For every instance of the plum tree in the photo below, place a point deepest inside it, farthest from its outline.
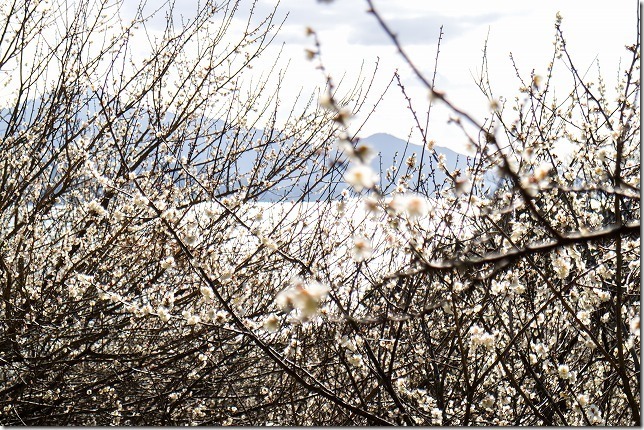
(167, 258)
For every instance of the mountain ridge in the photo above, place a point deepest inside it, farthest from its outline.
(393, 151)
(391, 161)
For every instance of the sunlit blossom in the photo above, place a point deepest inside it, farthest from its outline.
(207, 292)
(326, 101)
(361, 249)
(564, 371)
(271, 323)
(361, 176)
(635, 325)
(163, 314)
(167, 262)
(306, 297)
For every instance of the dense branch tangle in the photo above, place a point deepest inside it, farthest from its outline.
(148, 223)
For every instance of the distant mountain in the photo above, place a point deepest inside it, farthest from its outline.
(393, 151)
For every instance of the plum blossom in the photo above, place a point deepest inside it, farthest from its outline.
(163, 314)
(415, 205)
(355, 359)
(488, 401)
(478, 336)
(271, 323)
(562, 266)
(193, 319)
(594, 414)
(361, 153)
(306, 298)
(635, 325)
(564, 371)
(140, 200)
(499, 287)
(437, 416)
(207, 293)
(362, 249)
(462, 186)
(541, 172)
(361, 176)
(95, 207)
(371, 204)
(326, 101)
(167, 262)
(541, 349)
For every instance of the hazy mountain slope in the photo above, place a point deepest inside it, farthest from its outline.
(393, 151)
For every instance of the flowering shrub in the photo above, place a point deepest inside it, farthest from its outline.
(148, 278)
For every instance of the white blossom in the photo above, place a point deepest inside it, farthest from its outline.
(167, 262)
(271, 323)
(361, 176)
(207, 292)
(163, 314)
(564, 371)
(635, 325)
(306, 298)
(361, 249)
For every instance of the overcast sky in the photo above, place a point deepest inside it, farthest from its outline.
(596, 33)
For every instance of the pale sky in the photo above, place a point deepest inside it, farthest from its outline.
(595, 31)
